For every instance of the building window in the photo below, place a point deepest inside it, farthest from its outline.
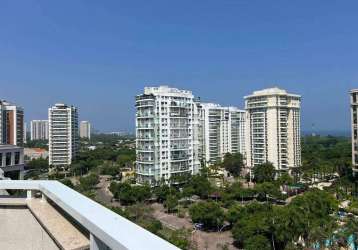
(17, 158)
(8, 159)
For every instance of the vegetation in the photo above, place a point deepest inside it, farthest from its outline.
(210, 214)
(129, 194)
(233, 163)
(281, 226)
(259, 216)
(264, 173)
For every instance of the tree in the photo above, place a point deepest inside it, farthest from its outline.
(264, 173)
(38, 164)
(153, 226)
(233, 163)
(179, 238)
(285, 179)
(68, 183)
(235, 213)
(107, 169)
(89, 182)
(266, 189)
(128, 194)
(257, 242)
(199, 185)
(253, 220)
(208, 213)
(171, 202)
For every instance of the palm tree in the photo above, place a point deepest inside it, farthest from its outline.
(351, 229)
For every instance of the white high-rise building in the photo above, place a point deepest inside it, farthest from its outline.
(166, 139)
(85, 129)
(63, 134)
(223, 131)
(273, 129)
(39, 129)
(354, 122)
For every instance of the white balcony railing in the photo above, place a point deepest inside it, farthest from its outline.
(107, 229)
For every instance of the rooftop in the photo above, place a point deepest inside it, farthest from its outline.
(271, 91)
(166, 90)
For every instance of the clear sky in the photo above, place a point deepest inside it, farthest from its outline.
(98, 55)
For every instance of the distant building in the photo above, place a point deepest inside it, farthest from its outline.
(85, 130)
(63, 134)
(12, 161)
(25, 132)
(39, 129)
(222, 131)
(35, 153)
(11, 124)
(166, 143)
(354, 122)
(273, 129)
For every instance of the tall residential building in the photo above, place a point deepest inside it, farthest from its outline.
(39, 129)
(63, 134)
(11, 124)
(354, 121)
(167, 146)
(223, 131)
(273, 129)
(85, 129)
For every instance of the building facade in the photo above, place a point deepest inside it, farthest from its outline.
(39, 130)
(85, 129)
(12, 161)
(273, 129)
(166, 139)
(63, 134)
(223, 131)
(11, 124)
(354, 126)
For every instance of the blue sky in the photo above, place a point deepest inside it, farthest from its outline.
(98, 55)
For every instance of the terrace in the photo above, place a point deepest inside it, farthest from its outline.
(62, 218)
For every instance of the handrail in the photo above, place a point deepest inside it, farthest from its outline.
(109, 228)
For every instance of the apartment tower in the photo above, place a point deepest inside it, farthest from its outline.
(63, 134)
(166, 123)
(354, 121)
(39, 130)
(85, 129)
(11, 124)
(273, 129)
(223, 131)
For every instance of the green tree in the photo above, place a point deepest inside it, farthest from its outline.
(179, 238)
(264, 173)
(233, 163)
(89, 182)
(266, 190)
(38, 164)
(171, 202)
(285, 179)
(208, 213)
(199, 185)
(68, 183)
(257, 242)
